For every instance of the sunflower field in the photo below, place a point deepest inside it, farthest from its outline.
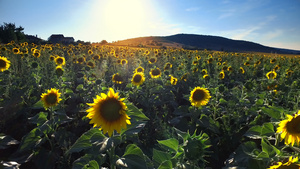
(100, 106)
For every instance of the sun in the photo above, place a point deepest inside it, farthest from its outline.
(125, 18)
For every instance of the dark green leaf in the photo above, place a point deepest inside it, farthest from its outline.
(39, 119)
(83, 142)
(133, 158)
(91, 165)
(30, 140)
(159, 157)
(171, 144)
(166, 165)
(267, 129)
(272, 112)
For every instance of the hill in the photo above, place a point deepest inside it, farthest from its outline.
(192, 41)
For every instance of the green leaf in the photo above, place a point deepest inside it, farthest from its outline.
(183, 135)
(159, 157)
(79, 87)
(133, 158)
(83, 142)
(267, 148)
(135, 113)
(38, 105)
(87, 158)
(91, 165)
(267, 129)
(166, 165)
(272, 112)
(263, 155)
(30, 140)
(68, 91)
(254, 132)
(171, 143)
(259, 102)
(39, 119)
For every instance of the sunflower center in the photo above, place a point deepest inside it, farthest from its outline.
(139, 70)
(198, 95)
(118, 78)
(294, 125)
(110, 109)
(59, 61)
(155, 72)
(137, 78)
(51, 98)
(2, 63)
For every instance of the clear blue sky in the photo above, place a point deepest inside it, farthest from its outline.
(273, 23)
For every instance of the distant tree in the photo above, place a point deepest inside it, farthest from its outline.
(9, 32)
(103, 42)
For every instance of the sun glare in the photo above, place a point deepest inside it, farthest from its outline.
(125, 19)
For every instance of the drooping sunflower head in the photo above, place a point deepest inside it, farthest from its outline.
(206, 77)
(168, 66)
(60, 61)
(204, 71)
(230, 69)
(117, 78)
(51, 98)
(80, 60)
(51, 58)
(221, 75)
(4, 63)
(138, 78)
(90, 52)
(108, 112)
(289, 129)
(199, 97)
(241, 70)
(271, 75)
(155, 73)
(90, 64)
(59, 71)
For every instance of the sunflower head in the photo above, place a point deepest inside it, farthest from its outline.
(173, 80)
(51, 98)
(108, 112)
(155, 73)
(242, 71)
(291, 163)
(152, 60)
(221, 75)
(271, 75)
(168, 66)
(289, 129)
(60, 61)
(90, 64)
(124, 61)
(4, 63)
(16, 50)
(199, 97)
(139, 70)
(59, 71)
(138, 79)
(117, 78)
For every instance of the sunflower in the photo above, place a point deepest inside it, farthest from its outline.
(139, 69)
(124, 61)
(272, 61)
(204, 72)
(271, 75)
(155, 73)
(221, 75)
(210, 60)
(290, 164)
(108, 112)
(117, 78)
(173, 80)
(168, 66)
(90, 64)
(289, 129)
(152, 60)
(96, 57)
(230, 69)
(51, 58)
(206, 76)
(80, 60)
(16, 50)
(138, 78)
(4, 63)
(51, 98)
(60, 61)
(199, 97)
(90, 52)
(36, 54)
(242, 70)
(184, 77)
(59, 70)
(195, 62)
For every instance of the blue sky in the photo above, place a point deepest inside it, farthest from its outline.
(273, 23)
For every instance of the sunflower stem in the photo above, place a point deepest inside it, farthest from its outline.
(112, 155)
